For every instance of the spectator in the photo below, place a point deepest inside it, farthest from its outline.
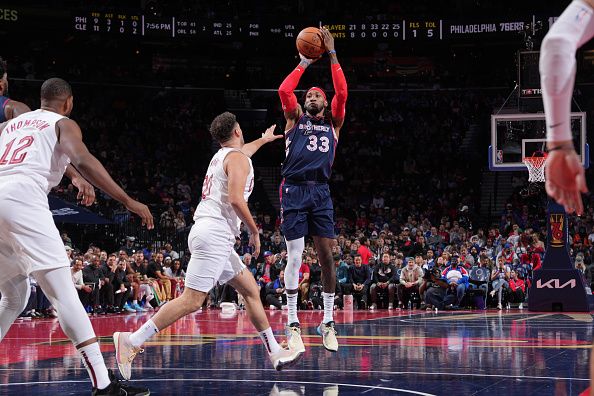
(364, 250)
(93, 277)
(122, 287)
(303, 286)
(499, 279)
(155, 271)
(456, 277)
(275, 293)
(384, 278)
(179, 222)
(315, 285)
(169, 252)
(66, 239)
(360, 278)
(517, 289)
(411, 279)
(129, 247)
(84, 291)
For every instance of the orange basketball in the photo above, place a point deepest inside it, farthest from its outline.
(310, 43)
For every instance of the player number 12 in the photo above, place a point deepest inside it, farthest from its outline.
(16, 157)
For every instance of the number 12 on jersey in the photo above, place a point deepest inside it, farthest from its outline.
(17, 155)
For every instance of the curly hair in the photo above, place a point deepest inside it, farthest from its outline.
(222, 126)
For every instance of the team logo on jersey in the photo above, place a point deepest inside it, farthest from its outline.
(309, 127)
(556, 221)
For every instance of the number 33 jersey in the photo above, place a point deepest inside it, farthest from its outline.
(215, 192)
(29, 146)
(309, 147)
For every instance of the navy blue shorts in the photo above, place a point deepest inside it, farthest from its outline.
(306, 209)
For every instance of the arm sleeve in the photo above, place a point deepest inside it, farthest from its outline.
(285, 91)
(341, 93)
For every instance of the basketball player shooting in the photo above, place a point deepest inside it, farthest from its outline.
(36, 149)
(306, 205)
(227, 186)
(565, 179)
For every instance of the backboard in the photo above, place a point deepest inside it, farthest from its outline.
(515, 136)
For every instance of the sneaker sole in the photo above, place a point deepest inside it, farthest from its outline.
(283, 365)
(116, 343)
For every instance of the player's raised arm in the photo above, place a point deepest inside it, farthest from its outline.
(70, 138)
(291, 108)
(268, 136)
(565, 179)
(338, 105)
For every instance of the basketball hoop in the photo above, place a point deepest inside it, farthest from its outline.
(536, 167)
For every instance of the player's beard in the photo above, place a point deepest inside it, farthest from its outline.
(313, 109)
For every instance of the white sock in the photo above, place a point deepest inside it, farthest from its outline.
(95, 365)
(292, 306)
(328, 307)
(145, 332)
(269, 341)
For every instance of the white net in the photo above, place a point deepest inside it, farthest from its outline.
(536, 168)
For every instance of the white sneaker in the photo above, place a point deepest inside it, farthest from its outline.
(284, 358)
(492, 293)
(499, 307)
(521, 306)
(373, 307)
(125, 353)
(293, 332)
(328, 333)
(390, 306)
(272, 308)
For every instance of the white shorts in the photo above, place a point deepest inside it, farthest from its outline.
(213, 257)
(29, 239)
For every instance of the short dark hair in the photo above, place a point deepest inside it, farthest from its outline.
(3, 67)
(222, 126)
(55, 88)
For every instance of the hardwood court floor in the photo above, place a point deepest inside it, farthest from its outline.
(383, 352)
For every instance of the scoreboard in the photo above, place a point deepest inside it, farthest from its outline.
(393, 30)
(185, 27)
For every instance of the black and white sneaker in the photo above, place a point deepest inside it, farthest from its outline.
(118, 388)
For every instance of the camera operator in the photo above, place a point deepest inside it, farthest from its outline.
(434, 289)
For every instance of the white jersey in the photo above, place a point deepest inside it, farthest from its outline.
(29, 147)
(215, 192)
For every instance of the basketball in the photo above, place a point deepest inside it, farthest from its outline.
(310, 43)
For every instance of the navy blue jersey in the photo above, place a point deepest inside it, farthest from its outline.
(3, 101)
(310, 147)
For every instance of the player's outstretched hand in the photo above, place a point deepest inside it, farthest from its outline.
(328, 39)
(565, 179)
(86, 191)
(143, 211)
(269, 135)
(255, 242)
